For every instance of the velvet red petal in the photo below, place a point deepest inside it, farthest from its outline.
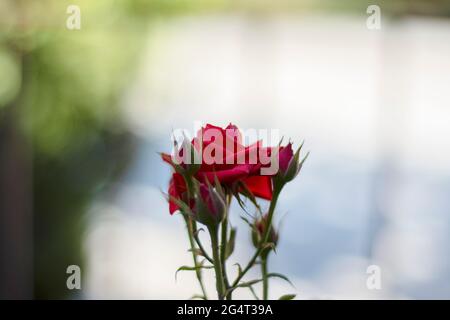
(173, 193)
(227, 176)
(176, 187)
(260, 186)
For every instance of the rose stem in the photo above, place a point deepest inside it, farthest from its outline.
(265, 238)
(265, 278)
(217, 263)
(198, 272)
(199, 243)
(224, 247)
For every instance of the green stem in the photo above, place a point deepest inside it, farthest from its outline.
(217, 263)
(265, 238)
(198, 272)
(223, 247)
(265, 278)
(199, 243)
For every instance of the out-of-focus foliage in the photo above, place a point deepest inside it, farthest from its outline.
(62, 89)
(71, 78)
(9, 77)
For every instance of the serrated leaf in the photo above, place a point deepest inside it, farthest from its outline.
(287, 297)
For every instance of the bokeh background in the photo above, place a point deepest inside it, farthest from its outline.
(84, 112)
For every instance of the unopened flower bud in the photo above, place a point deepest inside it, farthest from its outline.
(259, 231)
(289, 163)
(186, 159)
(209, 207)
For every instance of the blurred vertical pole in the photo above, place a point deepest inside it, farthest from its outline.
(16, 228)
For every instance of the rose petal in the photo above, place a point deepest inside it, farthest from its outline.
(285, 156)
(227, 176)
(177, 187)
(260, 186)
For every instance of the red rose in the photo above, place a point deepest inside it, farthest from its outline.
(224, 157)
(286, 154)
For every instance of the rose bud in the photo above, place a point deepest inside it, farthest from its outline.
(289, 164)
(285, 155)
(258, 231)
(209, 207)
(185, 160)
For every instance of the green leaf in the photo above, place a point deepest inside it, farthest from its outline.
(243, 285)
(248, 283)
(253, 282)
(188, 268)
(230, 244)
(239, 269)
(287, 297)
(281, 276)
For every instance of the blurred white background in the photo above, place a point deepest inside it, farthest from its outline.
(374, 110)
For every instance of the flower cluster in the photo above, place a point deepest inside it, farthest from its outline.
(211, 170)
